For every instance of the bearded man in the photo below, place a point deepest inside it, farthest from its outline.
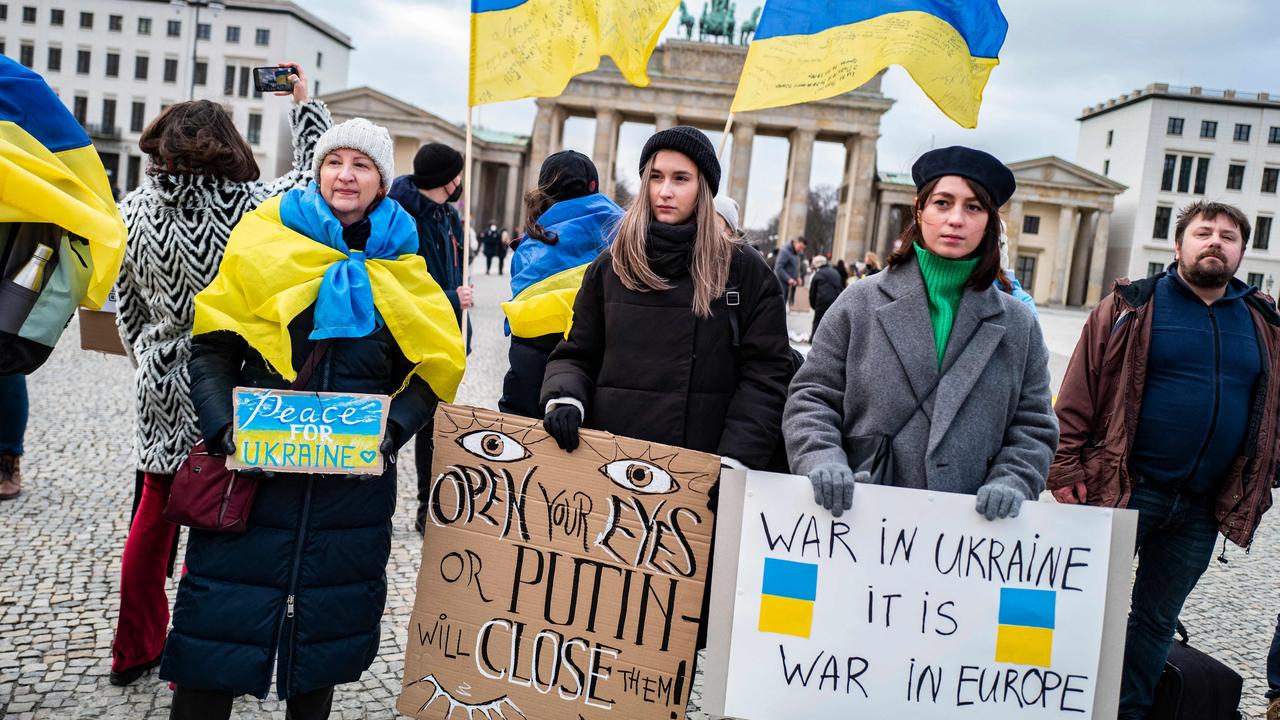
(1168, 407)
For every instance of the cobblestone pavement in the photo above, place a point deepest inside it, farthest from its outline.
(61, 542)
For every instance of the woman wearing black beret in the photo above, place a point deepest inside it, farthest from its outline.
(931, 354)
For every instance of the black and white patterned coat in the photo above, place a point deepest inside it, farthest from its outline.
(178, 228)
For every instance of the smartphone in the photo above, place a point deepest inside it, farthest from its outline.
(273, 79)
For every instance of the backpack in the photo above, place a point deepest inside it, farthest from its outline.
(32, 320)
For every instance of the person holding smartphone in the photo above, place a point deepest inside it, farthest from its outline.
(201, 178)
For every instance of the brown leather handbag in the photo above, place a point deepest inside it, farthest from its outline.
(206, 495)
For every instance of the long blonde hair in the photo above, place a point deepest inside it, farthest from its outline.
(712, 249)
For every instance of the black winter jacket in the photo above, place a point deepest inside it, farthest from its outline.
(644, 366)
(824, 288)
(439, 237)
(304, 587)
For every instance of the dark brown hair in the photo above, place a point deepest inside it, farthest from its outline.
(1210, 210)
(988, 270)
(536, 202)
(198, 138)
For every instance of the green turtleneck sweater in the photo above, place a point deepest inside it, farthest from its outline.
(944, 281)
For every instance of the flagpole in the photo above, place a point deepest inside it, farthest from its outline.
(466, 217)
(724, 136)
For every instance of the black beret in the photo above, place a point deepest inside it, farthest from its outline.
(435, 165)
(568, 174)
(692, 143)
(980, 167)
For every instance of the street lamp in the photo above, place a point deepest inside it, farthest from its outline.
(216, 7)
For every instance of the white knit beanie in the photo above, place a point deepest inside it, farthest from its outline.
(727, 207)
(358, 134)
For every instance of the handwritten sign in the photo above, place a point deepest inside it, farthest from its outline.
(308, 432)
(556, 585)
(911, 606)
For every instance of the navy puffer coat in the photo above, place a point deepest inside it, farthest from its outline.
(304, 588)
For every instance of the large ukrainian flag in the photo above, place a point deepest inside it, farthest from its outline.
(532, 48)
(50, 173)
(806, 50)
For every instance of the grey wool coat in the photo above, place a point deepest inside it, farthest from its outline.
(990, 420)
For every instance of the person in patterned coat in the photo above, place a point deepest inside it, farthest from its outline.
(202, 178)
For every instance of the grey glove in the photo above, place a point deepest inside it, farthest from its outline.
(998, 501)
(833, 486)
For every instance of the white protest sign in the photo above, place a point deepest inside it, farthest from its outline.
(912, 605)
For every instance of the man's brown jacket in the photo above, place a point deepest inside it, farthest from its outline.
(1100, 401)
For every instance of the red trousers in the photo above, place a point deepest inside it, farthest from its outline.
(144, 606)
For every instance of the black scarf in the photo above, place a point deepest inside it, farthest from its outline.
(669, 247)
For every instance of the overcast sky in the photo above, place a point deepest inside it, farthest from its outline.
(1059, 56)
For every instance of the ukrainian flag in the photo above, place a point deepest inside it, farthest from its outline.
(1024, 635)
(787, 597)
(50, 173)
(807, 50)
(532, 48)
(545, 278)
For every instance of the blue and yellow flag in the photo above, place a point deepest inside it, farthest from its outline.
(271, 273)
(532, 48)
(807, 50)
(545, 278)
(50, 173)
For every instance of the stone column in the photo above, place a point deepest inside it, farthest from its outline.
(744, 135)
(860, 177)
(540, 145)
(605, 151)
(1061, 275)
(881, 240)
(662, 121)
(514, 202)
(1017, 211)
(1098, 264)
(795, 206)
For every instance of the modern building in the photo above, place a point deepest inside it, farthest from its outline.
(1173, 145)
(117, 63)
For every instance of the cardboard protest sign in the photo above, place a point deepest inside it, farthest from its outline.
(308, 432)
(556, 585)
(912, 605)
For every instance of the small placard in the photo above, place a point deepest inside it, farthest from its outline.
(308, 432)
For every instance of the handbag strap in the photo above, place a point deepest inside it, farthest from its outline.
(937, 381)
(309, 367)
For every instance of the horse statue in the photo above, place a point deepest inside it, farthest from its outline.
(749, 27)
(717, 21)
(687, 21)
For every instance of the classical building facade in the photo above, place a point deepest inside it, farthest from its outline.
(1058, 224)
(498, 159)
(1173, 145)
(693, 84)
(117, 63)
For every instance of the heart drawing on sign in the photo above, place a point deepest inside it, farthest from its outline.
(368, 455)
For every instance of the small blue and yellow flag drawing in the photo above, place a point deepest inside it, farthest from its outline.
(50, 173)
(787, 597)
(1025, 632)
(807, 50)
(532, 48)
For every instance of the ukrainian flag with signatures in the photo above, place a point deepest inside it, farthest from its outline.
(807, 50)
(545, 277)
(532, 48)
(50, 173)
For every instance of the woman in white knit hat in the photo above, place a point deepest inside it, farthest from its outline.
(322, 288)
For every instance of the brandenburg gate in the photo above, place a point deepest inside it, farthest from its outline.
(693, 84)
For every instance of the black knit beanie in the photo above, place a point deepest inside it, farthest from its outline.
(435, 165)
(691, 142)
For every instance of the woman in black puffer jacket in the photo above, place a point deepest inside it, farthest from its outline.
(654, 353)
(301, 592)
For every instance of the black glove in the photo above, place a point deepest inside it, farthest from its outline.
(562, 423)
(225, 444)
